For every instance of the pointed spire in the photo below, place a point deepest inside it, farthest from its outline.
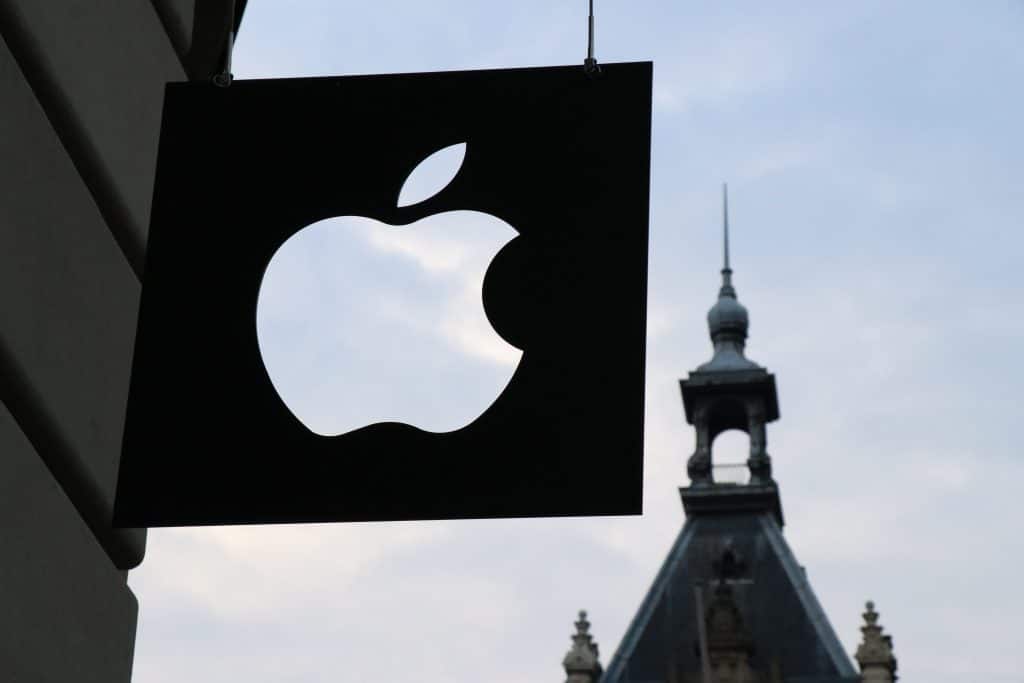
(727, 319)
(727, 288)
(874, 655)
(581, 662)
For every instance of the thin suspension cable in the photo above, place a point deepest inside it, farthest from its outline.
(590, 63)
(590, 33)
(224, 78)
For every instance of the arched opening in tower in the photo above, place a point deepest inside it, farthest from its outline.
(729, 453)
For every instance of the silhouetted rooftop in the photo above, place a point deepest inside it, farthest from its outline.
(786, 623)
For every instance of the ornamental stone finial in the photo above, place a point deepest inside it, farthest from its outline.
(875, 655)
(581, 662)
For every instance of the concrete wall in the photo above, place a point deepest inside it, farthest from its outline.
(81, 83)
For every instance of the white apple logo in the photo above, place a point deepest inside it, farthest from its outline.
(360, 322)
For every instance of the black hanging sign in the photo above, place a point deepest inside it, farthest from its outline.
(560, 155)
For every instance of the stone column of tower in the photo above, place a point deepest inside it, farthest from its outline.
(875, 655)
(581, 662)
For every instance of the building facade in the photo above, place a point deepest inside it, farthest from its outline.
(731, 603)
(82, 90)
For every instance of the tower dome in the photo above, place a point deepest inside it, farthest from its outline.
(728, 316)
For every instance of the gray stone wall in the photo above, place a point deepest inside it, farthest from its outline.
(67, 613)
(82, 84)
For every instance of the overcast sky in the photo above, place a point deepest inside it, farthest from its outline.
(875, 157)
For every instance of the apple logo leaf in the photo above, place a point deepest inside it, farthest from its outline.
(432, 175)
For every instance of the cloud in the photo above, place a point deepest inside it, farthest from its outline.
(263, 572)
(361, 322)
(722, 70)
(474, 335)
(438, 254)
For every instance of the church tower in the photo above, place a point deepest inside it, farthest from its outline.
(731, 604)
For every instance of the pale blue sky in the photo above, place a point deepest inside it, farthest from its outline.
(875, 157)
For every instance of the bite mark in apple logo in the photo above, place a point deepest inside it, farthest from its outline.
(361, 322)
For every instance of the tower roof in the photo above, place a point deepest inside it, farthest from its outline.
(782, 620)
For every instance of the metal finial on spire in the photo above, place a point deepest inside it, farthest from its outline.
(725, 222)
(727, 288)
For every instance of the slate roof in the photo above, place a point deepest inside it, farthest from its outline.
(784, 618)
